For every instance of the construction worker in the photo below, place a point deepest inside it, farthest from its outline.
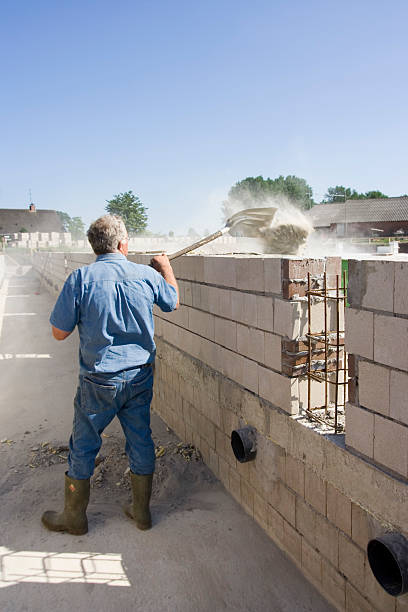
(111, 302)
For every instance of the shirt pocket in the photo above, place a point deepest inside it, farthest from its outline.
(97, 396)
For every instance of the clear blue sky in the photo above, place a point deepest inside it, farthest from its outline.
(178, 100)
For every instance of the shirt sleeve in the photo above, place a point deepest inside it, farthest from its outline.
(65, 314)
(165, 296)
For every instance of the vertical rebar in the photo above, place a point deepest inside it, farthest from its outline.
(309, 337)
(326, 347)
(344, 341)
(336, 395)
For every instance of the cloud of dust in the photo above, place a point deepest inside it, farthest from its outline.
(288, 230)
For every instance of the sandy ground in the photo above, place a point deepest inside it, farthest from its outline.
(203, 553)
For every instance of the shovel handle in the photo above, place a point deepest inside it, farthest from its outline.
(198, 244)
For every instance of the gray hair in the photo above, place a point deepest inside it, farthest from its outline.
(105, 233)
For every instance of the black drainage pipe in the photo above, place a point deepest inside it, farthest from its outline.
(388, 558)
(243, 443)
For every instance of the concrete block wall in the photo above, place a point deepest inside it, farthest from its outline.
(377, 337)
(234, 317)
(54, 268)
(317, 500)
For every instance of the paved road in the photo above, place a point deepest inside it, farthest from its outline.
(204, 555)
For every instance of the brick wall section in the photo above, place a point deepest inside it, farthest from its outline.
(319, 502)
(377, 337)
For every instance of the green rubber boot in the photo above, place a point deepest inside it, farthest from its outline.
(141, 490)
(73, 518)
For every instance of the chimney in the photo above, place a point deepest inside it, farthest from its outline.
(32, 207)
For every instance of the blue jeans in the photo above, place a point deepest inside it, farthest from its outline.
(101, 397)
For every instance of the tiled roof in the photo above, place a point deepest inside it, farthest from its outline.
(359, 211)
(13, 219)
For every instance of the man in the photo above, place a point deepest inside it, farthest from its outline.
(111, 302)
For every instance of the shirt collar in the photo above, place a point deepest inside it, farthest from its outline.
(110, 257)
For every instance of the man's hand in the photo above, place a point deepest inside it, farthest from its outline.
(162, 264)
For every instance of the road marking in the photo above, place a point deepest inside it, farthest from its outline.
(19, 295)
(19, 314)
(3, 295)
(25, 356)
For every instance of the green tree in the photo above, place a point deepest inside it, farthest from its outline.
(77, 228)
(131, 209)
(340, 194)
(65, 220)
(257, 191)
(74, 225)
(374, 195)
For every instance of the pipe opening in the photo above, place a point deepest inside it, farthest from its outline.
(243, 443)
(388, 558)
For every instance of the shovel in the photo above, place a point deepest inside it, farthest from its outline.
(249, 221)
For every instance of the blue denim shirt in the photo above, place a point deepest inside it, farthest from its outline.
(111, 301)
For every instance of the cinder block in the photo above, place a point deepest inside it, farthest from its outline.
(374, 387)
(295, 475)
(390, 341)
(261, 511)
(244, 308)
(338, 509)
(273, 274)
(391, 445)
(223, 471)
(220, 271)
(292, 541)
(327, 540)
(317, 395)
(287, 318)
(355, 601)
(250, 274)
(253, 412)
(375, 286)
(223, 302)
(401, 288)
(398, 396)
(280, 390)
(273, 351)
(311, 561)
(207, 431)
(362, 526)
(199, 296)
(232, 365)
(247, 497)
(250, 342)
(278, 426)
(235, 485)
(264, 305)
(351, 562)
(187, 293)
(225, 333)
(334, 585)
(213, 299)
(201, 323)
(360, 430)
(213, 462)
(284, 501)
(269, 465)
(359, 336)
(315, 491)
(275, 524)
(250, 376)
